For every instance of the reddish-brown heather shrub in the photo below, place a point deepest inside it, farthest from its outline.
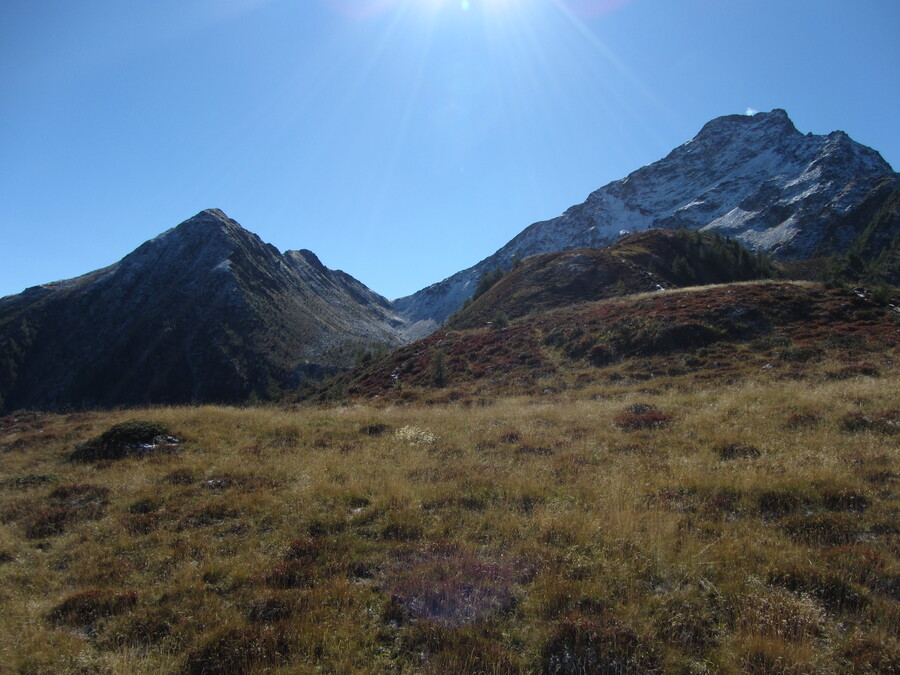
(144, 628)
(865, 653)
(882, 477)
(737, 451)
(87, 607)
(828, 588)
(845, 500)
(650, 421)
(687, 623)
(67, 504)
(239, 650)
(80, 495)
(209, 514)
(533, 450)
(725, 501)
(132, 438)
(272, 609)
(777, 503)
(453, 588)
(823, 529)
(291, 574)
(181, 477)
(802, 421)
(602, 645)
(48, 522)
(601, 355)
(376, 429)
(143, 523)
(855, 370)
(885, 422)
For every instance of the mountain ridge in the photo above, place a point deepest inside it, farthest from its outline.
(208, 312)
(204, 312)
(754, 178)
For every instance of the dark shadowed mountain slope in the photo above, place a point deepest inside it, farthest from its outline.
(204, 312)
(870, 234)
(753, 178)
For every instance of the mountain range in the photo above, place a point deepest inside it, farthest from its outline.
(207, 312)
(752, 178)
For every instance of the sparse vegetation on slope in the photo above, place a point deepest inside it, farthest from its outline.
(647, 261)
(772, 329)
(670, 524)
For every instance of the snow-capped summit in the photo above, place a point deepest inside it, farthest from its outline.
(754, 178)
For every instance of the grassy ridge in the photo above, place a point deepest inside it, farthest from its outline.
(626, 525)
(697, 334)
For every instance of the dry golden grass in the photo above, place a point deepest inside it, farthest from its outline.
(534, 534)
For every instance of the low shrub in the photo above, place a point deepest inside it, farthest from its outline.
(823, 529)
(866, 653)
(885, 422)
(291, 574)
(207, 515)
(777, 503)
(239, 650)
(272, 609)
(651, 421)
(453, 588)
(802, 421)
(135, 437)
(687, 623)
(145, 628)
(374, 429)
(87, 607)
(67, 504)
(180, 477)
(828, 588)
(25, 481)
(737, 451)
(777, 613)
(602, 645)
(845, 500)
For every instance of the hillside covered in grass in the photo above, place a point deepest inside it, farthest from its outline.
(703, 479)
(772, 329)
(626, 522)
(645, 262)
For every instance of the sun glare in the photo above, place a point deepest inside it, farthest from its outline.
(366, 8)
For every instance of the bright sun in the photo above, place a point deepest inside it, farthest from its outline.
(466, 5)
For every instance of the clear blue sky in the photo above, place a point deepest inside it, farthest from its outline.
(400, 140)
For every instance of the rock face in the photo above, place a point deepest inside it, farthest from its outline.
(752, 178)
(205, 312)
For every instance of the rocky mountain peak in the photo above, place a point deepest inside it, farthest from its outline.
(206, 311)
(754, 178)
(761, 123)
